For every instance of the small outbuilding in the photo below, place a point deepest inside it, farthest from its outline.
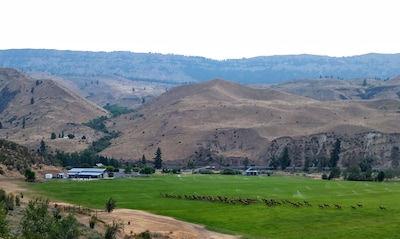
(86, 173)
(48, 176)
(62, 175)
(251, 171)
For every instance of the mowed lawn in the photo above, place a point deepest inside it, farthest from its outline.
(256, 220)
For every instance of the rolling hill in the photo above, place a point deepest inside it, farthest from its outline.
(130, 79)
(220, 122)
(217, 122)
(31, 110)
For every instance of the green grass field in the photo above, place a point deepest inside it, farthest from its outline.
(255, 220)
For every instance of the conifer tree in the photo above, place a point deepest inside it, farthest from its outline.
(157, 159)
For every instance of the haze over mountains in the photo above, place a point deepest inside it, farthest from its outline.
(183, 69)
(217, 122)
(129, 79)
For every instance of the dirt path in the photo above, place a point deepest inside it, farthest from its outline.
(139, 221)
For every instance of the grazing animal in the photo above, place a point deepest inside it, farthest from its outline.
(382, 207)
(359, 205)
(353, 207)
(320, 206)
(338, 206)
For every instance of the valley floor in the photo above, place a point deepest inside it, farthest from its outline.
(140, 221)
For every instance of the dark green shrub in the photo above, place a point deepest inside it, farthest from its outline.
(230, 171)
(147, 170)
(205, 171)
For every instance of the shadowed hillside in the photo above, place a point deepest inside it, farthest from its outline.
(220, 122)
(31, 110)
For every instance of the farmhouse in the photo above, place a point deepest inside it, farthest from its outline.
(86, 173)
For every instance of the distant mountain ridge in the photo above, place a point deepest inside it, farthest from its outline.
(178, 69)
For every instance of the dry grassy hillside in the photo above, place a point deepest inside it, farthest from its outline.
(15, 159)
(30, 110)
(234, 121)
(109, 90)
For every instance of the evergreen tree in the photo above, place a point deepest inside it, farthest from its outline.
(306, 164)
(335, 154)
(53, 135)
(1, 125)
(285, 160)
(274, 163)
(32, 101)
(144, 161)
(42, 146)
(157, 159)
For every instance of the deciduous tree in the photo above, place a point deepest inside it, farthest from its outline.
(38, 223)
(112, 230)
(335, 173)
(4, 228)
(29, 175)
(381, 176)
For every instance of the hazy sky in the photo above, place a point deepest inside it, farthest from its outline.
(216, 29)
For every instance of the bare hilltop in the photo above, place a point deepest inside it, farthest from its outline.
(221, 122)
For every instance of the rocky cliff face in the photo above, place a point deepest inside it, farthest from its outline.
(381, 148)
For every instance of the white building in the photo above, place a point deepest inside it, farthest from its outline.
(86, 173)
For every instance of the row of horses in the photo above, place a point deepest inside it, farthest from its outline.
(267, 202)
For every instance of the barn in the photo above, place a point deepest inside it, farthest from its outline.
(86, 173)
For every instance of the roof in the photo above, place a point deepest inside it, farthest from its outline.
(87, 171)
(251, 170)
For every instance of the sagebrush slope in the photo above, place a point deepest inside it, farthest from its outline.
(219, 118)
(32, 109)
